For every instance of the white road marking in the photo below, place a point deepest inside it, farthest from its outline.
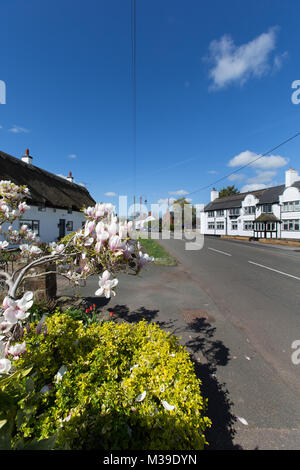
(275, 270)
(218, 251)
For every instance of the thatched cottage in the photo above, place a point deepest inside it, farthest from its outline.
(55, 202)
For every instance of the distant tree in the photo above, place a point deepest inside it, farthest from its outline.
(229, 191)
(179, 205)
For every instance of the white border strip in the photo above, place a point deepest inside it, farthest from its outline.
(275, 270)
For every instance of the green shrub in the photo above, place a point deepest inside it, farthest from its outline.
(85, 315)
(119, 385)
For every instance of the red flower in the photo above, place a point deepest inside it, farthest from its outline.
(87, 310)
(111, 314)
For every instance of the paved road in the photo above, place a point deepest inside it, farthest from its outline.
(256, 292)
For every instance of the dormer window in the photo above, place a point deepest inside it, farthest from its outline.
(266, 208)
(249, 210)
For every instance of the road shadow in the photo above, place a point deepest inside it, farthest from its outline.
(122, 312)
(220, 436)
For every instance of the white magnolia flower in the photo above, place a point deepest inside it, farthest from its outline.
(57, 249)
(167, 406)
(144, 258)
(5, 366)
(141, 397)
(35, 250)
(61, 372)
(106, 285)
(3, 245)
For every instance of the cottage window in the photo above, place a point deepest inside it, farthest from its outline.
(33, 225)
(211, 226)
(266, 208)
(220, 225)
(291, 206)
(291, 225)
(220, 213)
(248, 225)
(249, 210)
(69, 226)
(234, 211)
(234, 226)
(42, 207)
(210, 214)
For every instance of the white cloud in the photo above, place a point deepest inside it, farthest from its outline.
(110, 194)
(72, 155)
(262, 177)
(252, 187)
(169, 200)
(231, 63)
(236, 177)
(279, 59)
(180, 192)
(18, 129)
(265, 163)
(212, 172)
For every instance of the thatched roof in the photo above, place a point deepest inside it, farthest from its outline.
(267, 218)
(45, 187)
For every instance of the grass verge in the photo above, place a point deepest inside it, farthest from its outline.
(160, 255)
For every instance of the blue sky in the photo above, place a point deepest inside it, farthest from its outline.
(213, 91)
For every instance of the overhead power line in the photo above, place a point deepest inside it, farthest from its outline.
(133, 56)
(244, 166)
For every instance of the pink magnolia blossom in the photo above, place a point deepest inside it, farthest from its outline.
(115, 243)
(89, 227)
(17, 350)
(17, 309)
(23, 207)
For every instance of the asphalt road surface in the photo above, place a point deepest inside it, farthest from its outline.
(255, 290)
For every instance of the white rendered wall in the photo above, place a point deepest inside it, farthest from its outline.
(49, 220)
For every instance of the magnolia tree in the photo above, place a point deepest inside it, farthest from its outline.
(103, 246)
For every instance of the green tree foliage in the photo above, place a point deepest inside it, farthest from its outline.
(229, 191)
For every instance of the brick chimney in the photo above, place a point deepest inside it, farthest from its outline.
(27, 158)
(70, 177)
